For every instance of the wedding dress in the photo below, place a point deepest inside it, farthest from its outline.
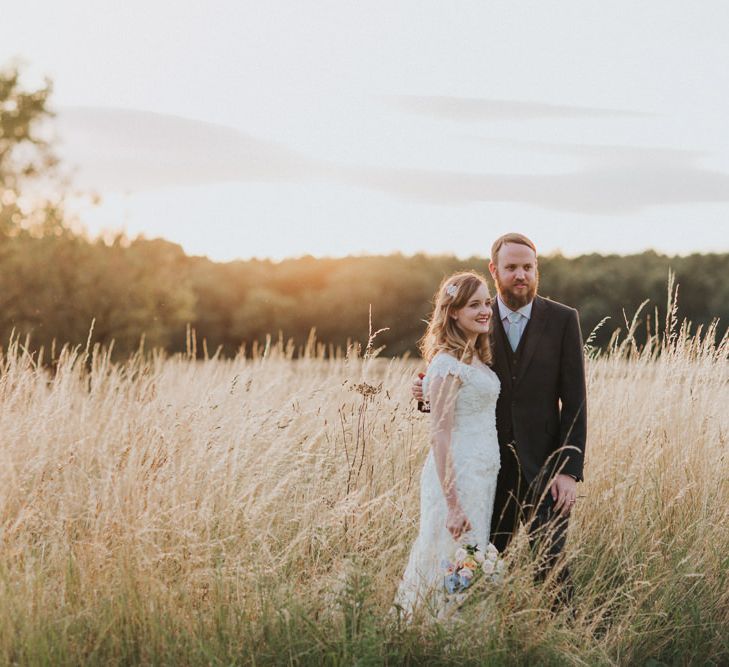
(475, 456)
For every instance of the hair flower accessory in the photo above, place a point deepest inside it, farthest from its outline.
(451, 290)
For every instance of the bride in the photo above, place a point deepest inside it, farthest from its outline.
(458, 481)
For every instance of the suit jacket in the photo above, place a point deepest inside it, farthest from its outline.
(541, 408)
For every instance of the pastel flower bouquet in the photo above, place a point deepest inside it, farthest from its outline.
(471, 568)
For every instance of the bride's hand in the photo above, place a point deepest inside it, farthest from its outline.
(457, 522)
(417, 388)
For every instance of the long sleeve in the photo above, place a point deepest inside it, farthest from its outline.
(440, 386)
(442, 414)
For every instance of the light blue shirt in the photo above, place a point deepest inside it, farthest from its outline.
(504, 311)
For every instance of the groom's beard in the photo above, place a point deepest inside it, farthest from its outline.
(516, 299)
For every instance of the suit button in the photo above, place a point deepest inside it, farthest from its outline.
(513, 377)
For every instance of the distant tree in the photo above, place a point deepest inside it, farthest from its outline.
(25, 155)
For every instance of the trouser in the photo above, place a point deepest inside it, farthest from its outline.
(519, 502)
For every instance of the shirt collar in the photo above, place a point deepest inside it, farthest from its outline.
(504, 310)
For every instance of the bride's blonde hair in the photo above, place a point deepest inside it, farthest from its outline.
(443, 333)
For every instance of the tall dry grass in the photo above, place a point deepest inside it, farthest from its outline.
(171, 511)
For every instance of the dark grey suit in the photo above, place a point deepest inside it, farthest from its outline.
(540, 418)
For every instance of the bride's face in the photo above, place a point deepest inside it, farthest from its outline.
(475, 317)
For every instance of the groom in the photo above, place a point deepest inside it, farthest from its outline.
(541, 413)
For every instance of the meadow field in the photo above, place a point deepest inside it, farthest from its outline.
(260, 510)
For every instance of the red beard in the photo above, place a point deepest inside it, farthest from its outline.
(516, 300)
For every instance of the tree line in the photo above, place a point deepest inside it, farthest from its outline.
(52, 287)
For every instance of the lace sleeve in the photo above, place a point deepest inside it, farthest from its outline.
(441, 365)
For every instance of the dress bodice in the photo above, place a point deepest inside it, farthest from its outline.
(475, 407)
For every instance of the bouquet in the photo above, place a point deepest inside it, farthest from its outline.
(470, 566)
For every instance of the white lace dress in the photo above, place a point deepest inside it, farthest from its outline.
(475, 455)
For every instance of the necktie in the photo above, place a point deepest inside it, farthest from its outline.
(513, 335)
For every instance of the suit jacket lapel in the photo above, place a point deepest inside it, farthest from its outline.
(501, 347)
(536, 325)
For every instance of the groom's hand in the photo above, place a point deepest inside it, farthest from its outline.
(564, 493)
(417, 387)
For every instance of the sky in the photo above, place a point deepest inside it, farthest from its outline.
(273, 129)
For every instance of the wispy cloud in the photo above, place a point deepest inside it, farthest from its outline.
(612, 179)
(603, 153)
(123, 149)
(479, 108)
(135, 150)
(600, 189)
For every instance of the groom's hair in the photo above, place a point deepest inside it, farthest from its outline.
(511, 237)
